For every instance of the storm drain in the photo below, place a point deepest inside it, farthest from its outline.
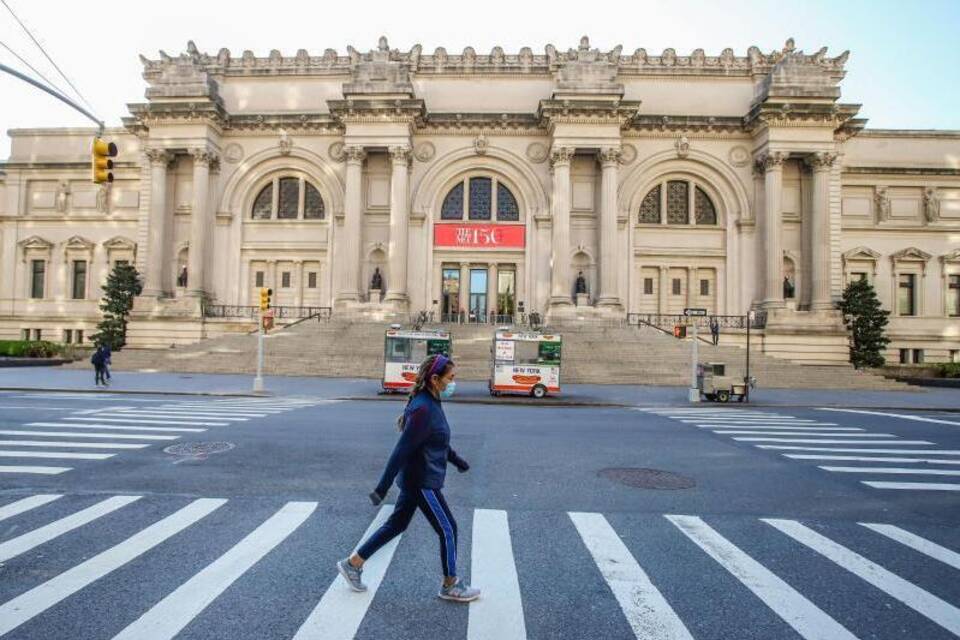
(198, 449)
(647, 478)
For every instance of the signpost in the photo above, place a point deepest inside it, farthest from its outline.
(694, 312)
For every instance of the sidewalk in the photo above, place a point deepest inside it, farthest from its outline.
(55, 379)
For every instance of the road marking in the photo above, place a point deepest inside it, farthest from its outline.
(195, 423)
(23, 543)
(939, 452)
(925, 603)
(37, 600)
(916, 543)
(649, 614)
(340, 610)
(903, 416)
(26, 504)
(803, 456)
(813, 440)
(204, 413)
(70, 425)
(46, 471)
(35, 407)
(767, 427)
(76, 445)
(807, 433)
(168, 617)
(85, 435)
(165, 415)
(498, 614)
(913, 486)
(753, 420)
(894, 470)
(802, 615)
(58, 454)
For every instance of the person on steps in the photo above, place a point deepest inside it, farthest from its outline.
(419, 464)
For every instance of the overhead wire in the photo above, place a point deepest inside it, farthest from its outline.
(39, 46)
(30, 66)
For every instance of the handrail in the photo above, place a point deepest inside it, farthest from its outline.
(662, 320)
(252, 312)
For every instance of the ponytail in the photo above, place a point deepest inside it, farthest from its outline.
(437, 364)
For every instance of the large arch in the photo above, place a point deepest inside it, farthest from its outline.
(723, 185)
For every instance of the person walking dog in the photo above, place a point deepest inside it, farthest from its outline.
(419, 464)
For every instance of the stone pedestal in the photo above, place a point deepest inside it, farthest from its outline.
(374, 295)
(583, 299)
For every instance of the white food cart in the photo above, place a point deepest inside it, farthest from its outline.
(404, 350)
(525, 363)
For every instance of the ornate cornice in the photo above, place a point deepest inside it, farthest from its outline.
(902, 171)
(588, 111)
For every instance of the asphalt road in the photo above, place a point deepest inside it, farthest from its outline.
(795, 523)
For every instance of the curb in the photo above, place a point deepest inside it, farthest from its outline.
(237, 394)
(503, 400)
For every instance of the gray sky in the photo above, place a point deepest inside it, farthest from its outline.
(904, 66)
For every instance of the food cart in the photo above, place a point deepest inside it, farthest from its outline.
(405, 349)
(716, 386)
(525, 363)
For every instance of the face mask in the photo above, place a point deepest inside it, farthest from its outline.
(448, 391)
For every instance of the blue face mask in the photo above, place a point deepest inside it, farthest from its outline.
(448, 391)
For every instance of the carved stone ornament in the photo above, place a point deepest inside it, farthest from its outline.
(882, 202)
(481, 144)
(773, 160)
(63, 191)
(561, 155)
(233, 153)
(336, 151)
(354, 153)
(424, 151)
(628, 153)
(739, 156)
(203, 156)
(610, 155)
(158, 156)
(400, 155)
(682, 145)
(931, 204)
(821, 161)
(537, 152)
(285, 143)
(103, 198)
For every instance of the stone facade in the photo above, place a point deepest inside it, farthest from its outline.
(485, 182)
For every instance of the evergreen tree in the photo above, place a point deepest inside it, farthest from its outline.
(123, 285)
(866, 321)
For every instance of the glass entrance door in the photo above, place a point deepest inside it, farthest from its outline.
(450, 305)
(478, 295)
(506, 295)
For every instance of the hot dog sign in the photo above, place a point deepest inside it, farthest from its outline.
(525, 363)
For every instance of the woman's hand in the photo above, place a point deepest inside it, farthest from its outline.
(463, 466)
(376, 497)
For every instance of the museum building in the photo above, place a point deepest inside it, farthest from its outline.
(587, 185)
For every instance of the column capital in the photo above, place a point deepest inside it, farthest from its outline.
(610, 156)
(772, 160)
(354, 153)
(821, 160)
(158, 156)
(561, 156)
(203, 156)
(400, 155)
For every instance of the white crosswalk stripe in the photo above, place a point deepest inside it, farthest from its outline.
(499, 614)
(802, 456)
(72, 445)
(924, 602)
(36, 470)
(65, 455)
(113, 427)
(646, 610)
(806, 618)
(913, 486)
(894, 470)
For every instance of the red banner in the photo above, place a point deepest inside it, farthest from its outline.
(479, 236)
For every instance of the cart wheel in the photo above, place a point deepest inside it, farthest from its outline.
(538, 391)
(723, 396)
(741, 398)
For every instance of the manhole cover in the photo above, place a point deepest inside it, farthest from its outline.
(647, 478)
(198, 449)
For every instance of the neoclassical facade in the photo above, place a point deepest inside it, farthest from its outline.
(388, 181)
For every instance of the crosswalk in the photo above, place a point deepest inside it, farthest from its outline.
(97, 434)
(834, 448)
(656, 598)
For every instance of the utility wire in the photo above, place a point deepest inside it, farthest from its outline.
(30, 66)
(39, 46)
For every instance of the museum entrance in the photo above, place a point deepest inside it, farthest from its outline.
(478, 293)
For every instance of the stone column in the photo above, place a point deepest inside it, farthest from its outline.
(352, 226)
(199, 222)
(561, 286)
(610, 163)
(298, 292)
(399, 218)
(492, 303)
(465, 287)
(272, 280)
(821, 164)
(691, 287)
(773, 229)
(157, 228)
(663, 290)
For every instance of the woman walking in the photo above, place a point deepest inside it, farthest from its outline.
(419, 463)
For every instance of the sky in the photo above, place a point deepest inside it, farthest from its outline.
(904, 66)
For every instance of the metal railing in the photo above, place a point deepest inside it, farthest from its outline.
(668, 321)
(512, 319)
(252, 312)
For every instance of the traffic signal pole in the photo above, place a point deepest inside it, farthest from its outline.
(56, 94)
(258, 381)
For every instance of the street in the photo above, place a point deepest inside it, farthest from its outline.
(777, 522)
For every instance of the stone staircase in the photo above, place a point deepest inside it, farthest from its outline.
(591, 355)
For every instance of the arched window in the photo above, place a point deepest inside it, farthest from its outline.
(296, 199)
(485, 197)
(674, 197)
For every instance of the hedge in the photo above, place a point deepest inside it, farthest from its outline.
(29, 349)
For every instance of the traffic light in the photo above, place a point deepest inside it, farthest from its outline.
(265, 294)
(100, 161)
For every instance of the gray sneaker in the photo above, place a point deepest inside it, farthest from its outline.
(459, 591)
(351, 574)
